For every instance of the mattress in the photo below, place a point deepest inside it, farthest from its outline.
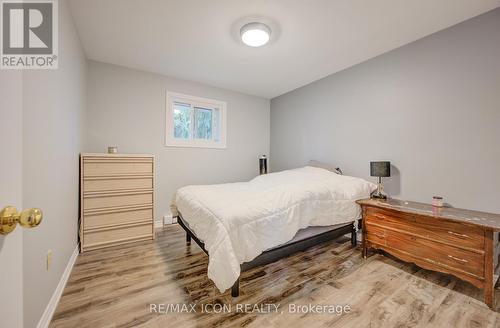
(238, 221)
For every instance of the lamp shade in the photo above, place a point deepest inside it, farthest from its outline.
(380, 169)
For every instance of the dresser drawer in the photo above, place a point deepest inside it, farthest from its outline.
(121, 234)
(437, 229)
(95, 202)
(93, 221)
(436, 253)
(100, 184)
(96, 167)
(376, 234)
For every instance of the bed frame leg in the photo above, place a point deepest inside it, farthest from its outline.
(354, 238)
(188, 239)
(235, 290)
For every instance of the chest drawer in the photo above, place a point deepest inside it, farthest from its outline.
(121, 234)
(432, 252)
(436, 229)
(98, 220)
(111, 167)
(376, 234)
(117, 200)
(100, 184)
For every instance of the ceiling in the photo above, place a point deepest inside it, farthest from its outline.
(198, 39)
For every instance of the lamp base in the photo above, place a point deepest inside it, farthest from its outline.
(378, 195)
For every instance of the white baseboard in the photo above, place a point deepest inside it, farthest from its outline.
(167, 219)
(56, 296)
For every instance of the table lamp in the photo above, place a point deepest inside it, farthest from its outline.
(381, 170)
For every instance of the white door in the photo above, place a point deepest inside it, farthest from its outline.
(11, 156)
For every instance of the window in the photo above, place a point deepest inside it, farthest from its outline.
(195, 122)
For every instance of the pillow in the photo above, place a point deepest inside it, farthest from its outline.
(325, 166)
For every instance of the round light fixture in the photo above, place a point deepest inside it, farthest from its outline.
(255, 34)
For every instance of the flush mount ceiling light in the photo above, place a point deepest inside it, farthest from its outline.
(255, 34)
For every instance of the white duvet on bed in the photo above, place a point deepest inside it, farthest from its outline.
(238, 221)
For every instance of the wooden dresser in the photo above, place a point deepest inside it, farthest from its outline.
(463, 243)
(116, 199)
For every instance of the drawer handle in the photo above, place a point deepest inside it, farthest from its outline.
(457, 259)
(458, 234)
(379, 216)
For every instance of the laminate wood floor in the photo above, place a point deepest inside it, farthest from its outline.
(115, 287)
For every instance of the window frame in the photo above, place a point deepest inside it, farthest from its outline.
(194, 101)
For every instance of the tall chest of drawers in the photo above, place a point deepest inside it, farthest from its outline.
(116, 199)
(463, 243)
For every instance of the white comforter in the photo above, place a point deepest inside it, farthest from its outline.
(238, 221)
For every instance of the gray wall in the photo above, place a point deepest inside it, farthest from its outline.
(126, 108)
(431, 107)
(53, 114)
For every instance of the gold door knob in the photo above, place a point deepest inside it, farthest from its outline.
(9, 218)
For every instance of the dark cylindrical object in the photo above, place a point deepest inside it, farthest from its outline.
(263, 164)
(380, 169)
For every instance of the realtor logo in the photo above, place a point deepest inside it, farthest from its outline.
(29, 34)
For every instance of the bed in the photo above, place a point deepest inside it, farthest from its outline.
(246, 224)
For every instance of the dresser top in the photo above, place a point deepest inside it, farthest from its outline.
(114, 155)
(483, 219)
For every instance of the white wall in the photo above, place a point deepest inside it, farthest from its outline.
(126, 108)
(53, 115)
(431, 107)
